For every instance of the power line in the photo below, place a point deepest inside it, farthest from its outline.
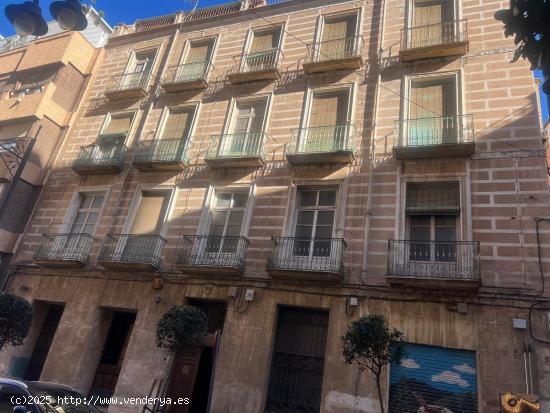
(360, 73)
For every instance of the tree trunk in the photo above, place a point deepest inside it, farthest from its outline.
(379, 388)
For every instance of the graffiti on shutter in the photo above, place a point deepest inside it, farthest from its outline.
(434, 379)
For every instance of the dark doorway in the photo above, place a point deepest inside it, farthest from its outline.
(192, 372)
(296, 376)
(110, 364)
(44, 342)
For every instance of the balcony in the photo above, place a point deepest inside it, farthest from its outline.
(238, 150)
(434, 40)
(160, 155)
(438, 137)
(251, 67)
(307, 259)
(189, 76)
(332, 55)
(64, 250)
(213, 255)
(100, 159)
(434, 264)
(322, 144)
(129, 252)
(128, 86)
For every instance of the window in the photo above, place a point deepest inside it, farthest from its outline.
(137, 72)
(32, 83)
(264, 50)
(87, 214)
(433, 112)
(227, 219)
(432, 211)
(315, 222)
(428, 18)
(151, 213)
(246, 128)
(116, 127)
(328, 123)
(196, 61)
(296, 376)
(338, 39)
(177, 123)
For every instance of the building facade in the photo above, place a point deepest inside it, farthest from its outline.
(42, 80)
(289, 166)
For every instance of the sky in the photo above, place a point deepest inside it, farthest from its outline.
(127, 11)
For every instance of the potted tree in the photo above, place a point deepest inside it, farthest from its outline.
(371, 345)
(15, 319)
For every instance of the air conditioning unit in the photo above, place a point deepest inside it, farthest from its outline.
(519, 403)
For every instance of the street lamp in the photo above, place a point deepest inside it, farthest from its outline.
(27, 18)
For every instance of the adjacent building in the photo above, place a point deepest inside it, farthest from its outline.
(289, 166)
(42, 81)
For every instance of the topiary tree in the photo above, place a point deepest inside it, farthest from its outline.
(15, 319)
(371, 345)
(529, 22)
(181, 326)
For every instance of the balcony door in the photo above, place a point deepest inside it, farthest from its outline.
(432, 113)
(196, 61)
(263, 52)
(113, 135)
(428, 23)
(175, 134)
(246, 129)
(148, 220)
(139, 69)
(432, 212)
(328, 127)
(226, 225)
(338, 40)
(315, 220)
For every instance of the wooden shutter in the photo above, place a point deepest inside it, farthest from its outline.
(118, 124)
(329, 109)
(150, 214)
(339, 28)
(428, 13)
(440, 198)
(199, 53)
(177, 124)
(264, 41)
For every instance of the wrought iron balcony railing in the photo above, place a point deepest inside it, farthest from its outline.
(59, 248)
(446, 130)
(337, 49)
(237, 145)
(434, 34)
(160, 151)
(307, 254)
(457, 260)
(132, 249)
(100, 155)
(257, 61)
(213, 251)
(128, 81)
(188, 72)
(322, 139)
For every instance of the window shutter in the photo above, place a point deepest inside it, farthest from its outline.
(264, 41)
(433, 199)
(177, 124)
(329, 109)
(118, 124)
(150, 214)
(339, 28)
(199, 53)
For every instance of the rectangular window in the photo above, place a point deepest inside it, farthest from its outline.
(263, 51)
(432, 211)
(296, 377)
(196, 61)
(87, 214)
(227, 219)
(338, 38)
(246, 128)
(428, 20)
(143, 62)
(177, 124)
(33, 83)
(315, 219)
(433, 112)
(116, 127)
(151, 213)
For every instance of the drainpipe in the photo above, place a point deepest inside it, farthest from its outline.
(372, 163)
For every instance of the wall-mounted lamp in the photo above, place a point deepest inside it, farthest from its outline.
(27, 18)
